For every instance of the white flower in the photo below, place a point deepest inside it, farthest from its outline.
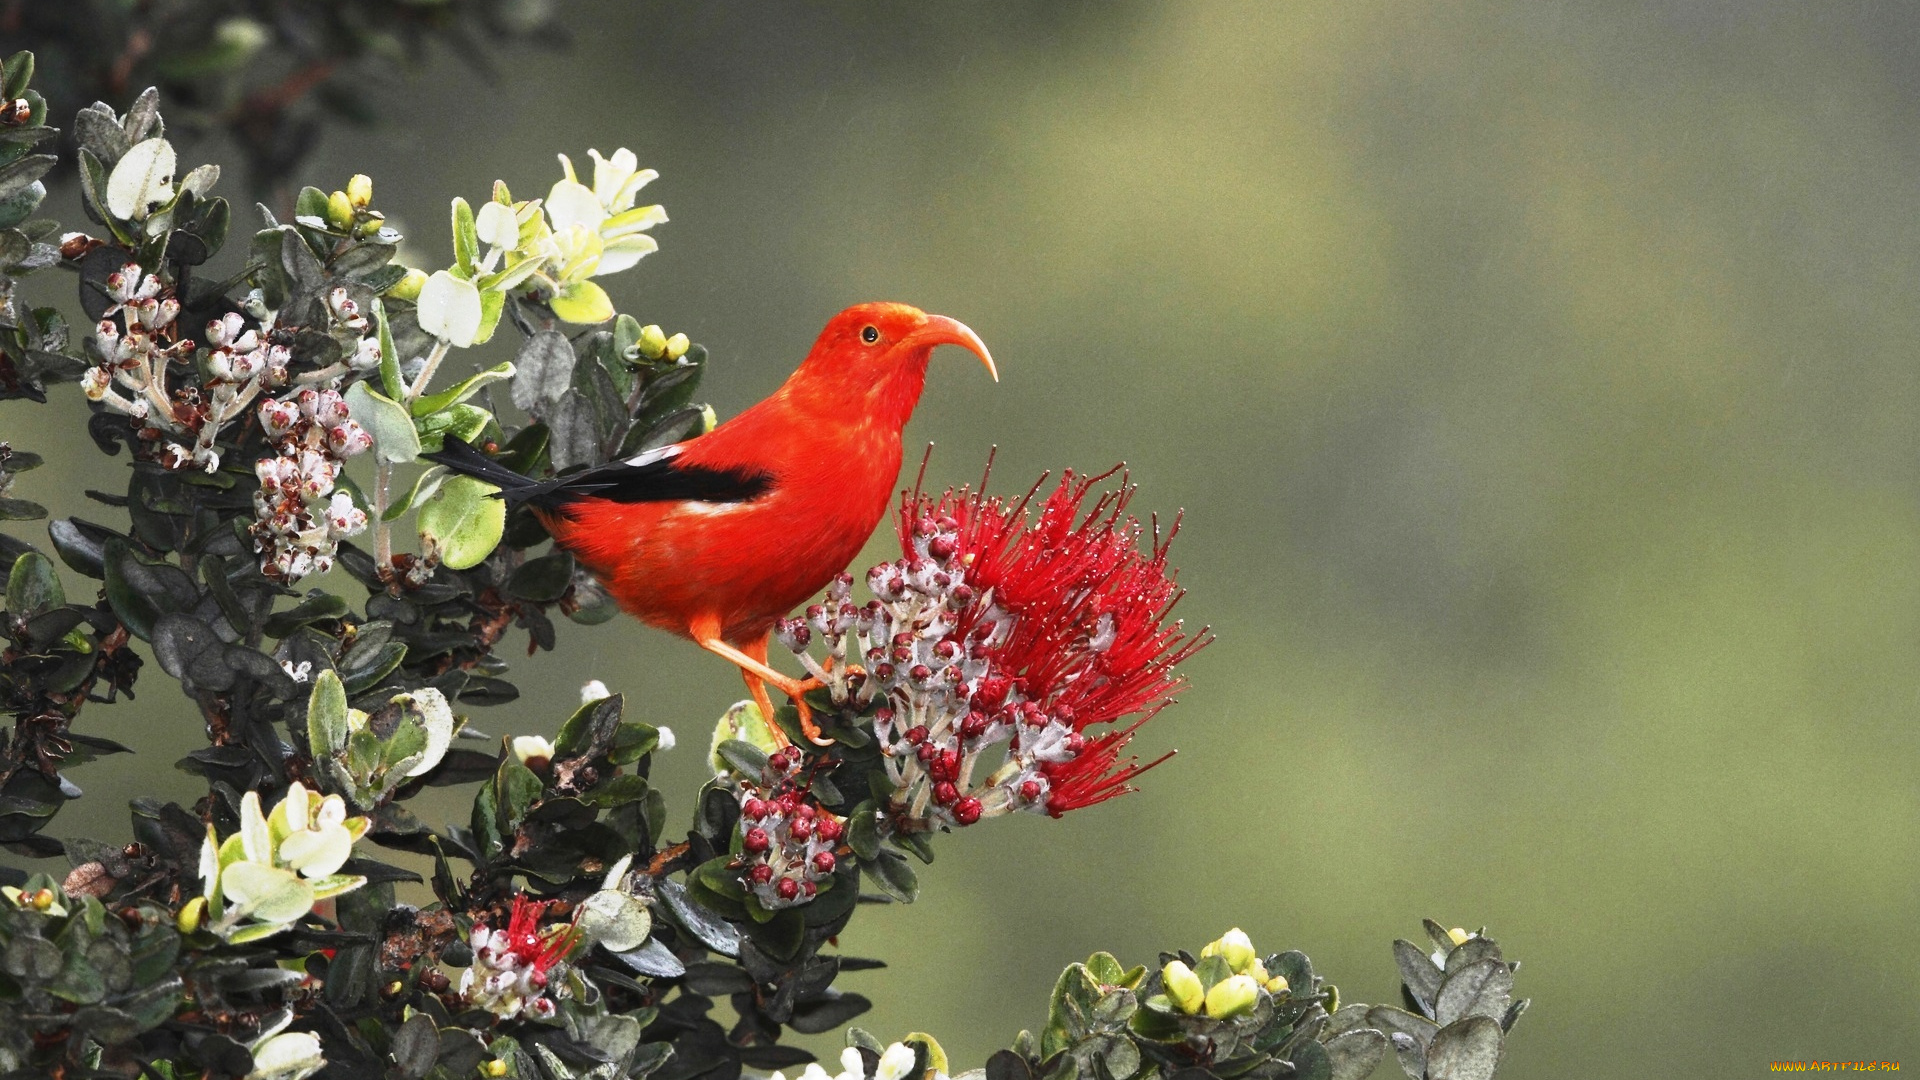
(895, 1063)
(667, 740)
(598, 230)
(531, 746)
(616, 180)
(300, 673)
(593, 691)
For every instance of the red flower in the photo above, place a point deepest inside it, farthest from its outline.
(1075, 619)
(536, 949)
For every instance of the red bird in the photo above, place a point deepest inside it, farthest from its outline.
(718, 537)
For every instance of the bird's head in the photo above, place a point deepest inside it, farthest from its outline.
(883, 348)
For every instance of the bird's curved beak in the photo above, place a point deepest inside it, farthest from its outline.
(940, 330)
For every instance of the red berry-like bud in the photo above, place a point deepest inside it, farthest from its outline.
(967, 810)
(789, 802)
(538, 979)
(920, 673)
(1076, 742)
(947, 650)
(917, 734)
(806, 810)
(800, 828)
(942, 548)
(761, 874)
(756, 840)
(923, 528)
(823, 863)
(753, 809)
(829, 829)
(924, 752)
(810, 889)
(974, 726)
(1030, 790)
(788, 888)
(945, 793)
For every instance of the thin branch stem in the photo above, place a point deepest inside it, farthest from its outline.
(439, 353)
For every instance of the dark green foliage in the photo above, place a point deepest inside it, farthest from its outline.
(270, 76)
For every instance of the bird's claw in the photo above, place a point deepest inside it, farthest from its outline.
(798, 692)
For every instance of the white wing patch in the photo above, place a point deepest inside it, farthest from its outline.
(658, 453)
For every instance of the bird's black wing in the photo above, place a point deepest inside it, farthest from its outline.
(654, 476)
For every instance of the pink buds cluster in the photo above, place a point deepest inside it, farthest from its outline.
(349, 323)
(134, 342)
(788, 843)
(299, 518)
(993, 646)
(520, 969)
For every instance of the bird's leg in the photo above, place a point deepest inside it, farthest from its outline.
(755, 670)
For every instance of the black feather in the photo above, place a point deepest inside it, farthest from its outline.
(661, 480)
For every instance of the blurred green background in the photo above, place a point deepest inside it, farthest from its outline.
(1538, 382)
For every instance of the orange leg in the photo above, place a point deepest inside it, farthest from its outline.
(752, 662)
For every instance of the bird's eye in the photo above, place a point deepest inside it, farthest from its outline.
(870, 334)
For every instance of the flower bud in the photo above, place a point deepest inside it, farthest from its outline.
(1459, 936)
(1183, 987)
(653, 342)
(1235, 948)
(1277, 985)
(339, 210)
(360, 190)
(677, 346)
(409, 285)
(190, 914)
(496, 1067)
(1233, 996)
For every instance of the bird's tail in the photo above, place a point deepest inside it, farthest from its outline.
(463, 458)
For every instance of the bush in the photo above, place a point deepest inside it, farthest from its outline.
(1001, 666)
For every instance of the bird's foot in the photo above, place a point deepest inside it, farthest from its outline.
(798, 690)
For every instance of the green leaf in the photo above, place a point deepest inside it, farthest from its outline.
(863, 833)
(466, 240)
(516, 789)
(389, 356)
(327, 728)
(492, 303)
(545, 370)
(1355, 1054)
(463, 522)
(1065, 1016)
(582, 302)
(423, 487)
(745, 758)
(267, 893)
(33, 587)
(16, 74)
(464, 422)
(394, 438)
(462, 390)
(894, 876)
(1465, 1050)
